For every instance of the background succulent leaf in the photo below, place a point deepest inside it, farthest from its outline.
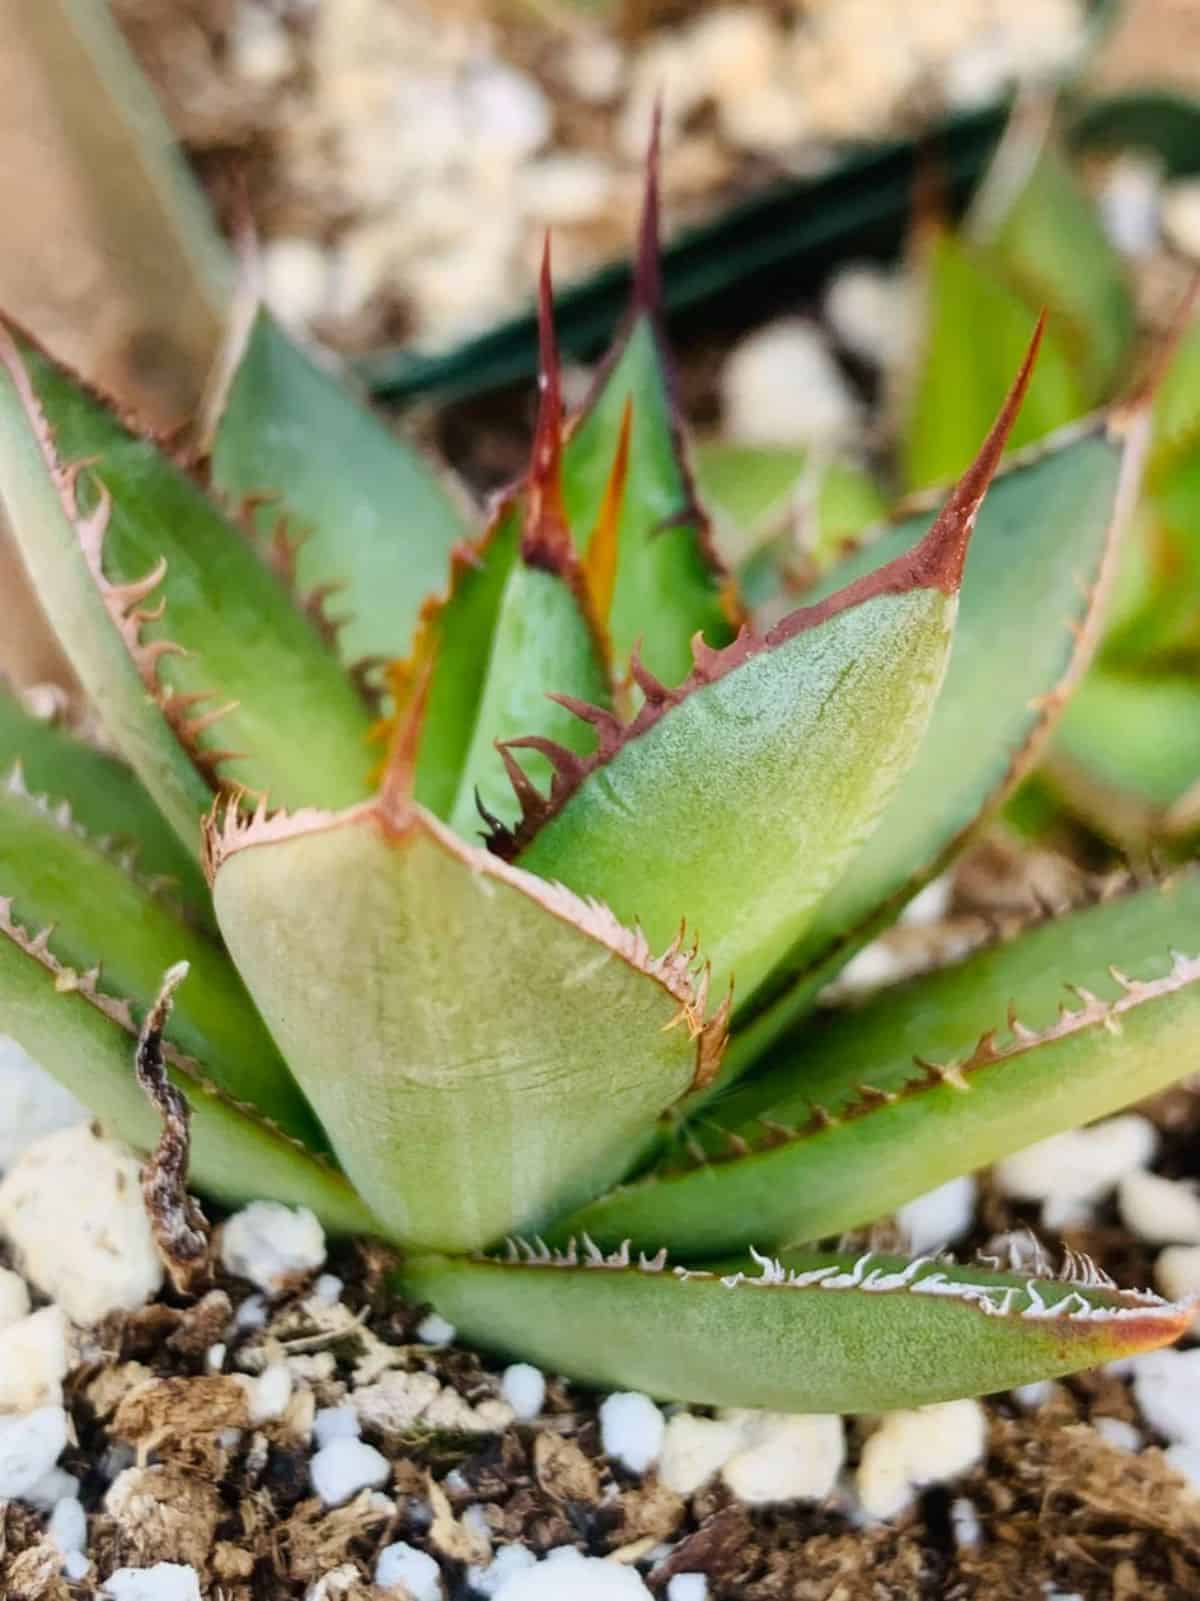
(958, 383)
(853, 1335)
(871, 1125)
(481, 1048)
(1037, 224)
(82, 1040)
(1028, 617)
(106, 799)
(232, 661)
(101, 916)
(374, 517)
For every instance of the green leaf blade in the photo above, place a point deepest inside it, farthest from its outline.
(850, 1122)
(836, 1338)
(377, 518)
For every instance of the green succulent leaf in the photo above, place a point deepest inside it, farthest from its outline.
(805, 1333)
(1038, 225)
(108, 926)
(106, 800)
(236, 670)
(376, 521)
(959, 382)
(86, 1040)
(799, 737)
(951, 1071)
(1029, 613)
(481, 1047)
(1126, 756)
(670, 583)
(518, 621)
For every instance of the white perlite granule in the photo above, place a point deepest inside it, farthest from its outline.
(29, 1448)
(345, 1466)
(165, 1581)
(271, 1244)
(631, 1429)
(72, 1210)
(912, 1449)
(524, 1388)
(403, 1565)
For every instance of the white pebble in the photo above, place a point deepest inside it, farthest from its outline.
(14, 1297)
(165, 1581)
(1177, 1272)
(1129, 202)
(214, 1357)
(1080, 1165)
(335, 1423)
(296, 279)
(342, 1468)
(29, 1448)
(1163, 1211)
(33, 1361)
(435, 1330)
(1029, 1397)
(32, 1103)
(268, 1394)
(868, 310)
(76, 1566)
(781, 386)
(565, 1573)
(1166, 1387)
(72, 1209)
(1119, 1433)
(785, 1457)
(694, 1449)
(631, 1429)
(328, 1288)
(1181, 216)
(688, 1587)
(965, 1524)
(912, 1449)
(524, 1388)
(509, 1559)
(940, 1216)
(509, 115)
(402, 1564)
(1185, 1459)
(53, 1487)
(271, 1244)
(68, 1525)
(251, 1314)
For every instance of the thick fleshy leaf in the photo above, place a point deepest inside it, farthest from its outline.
(376, 521)
(481, 1047)
(1042, 231)
(738, 799)
(670, 582)
(802, 1334)
(1127, 755)
(108, 926)
(1029, 613)
(87, 1041)
(517, 625)
(867, 1108)
(959, 382)
(106, 799)
(237, 671)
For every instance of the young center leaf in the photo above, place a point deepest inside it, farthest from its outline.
(670, 582)
(738, 798)
(803, 1333)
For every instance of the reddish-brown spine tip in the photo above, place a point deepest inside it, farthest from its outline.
(647, 272)
(546, 538)
(938, 561)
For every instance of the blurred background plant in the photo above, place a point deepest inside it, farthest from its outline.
(841, 200)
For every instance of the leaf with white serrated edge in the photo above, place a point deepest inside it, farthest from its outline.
(802, 1334)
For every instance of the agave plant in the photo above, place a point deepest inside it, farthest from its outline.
(506, 951)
